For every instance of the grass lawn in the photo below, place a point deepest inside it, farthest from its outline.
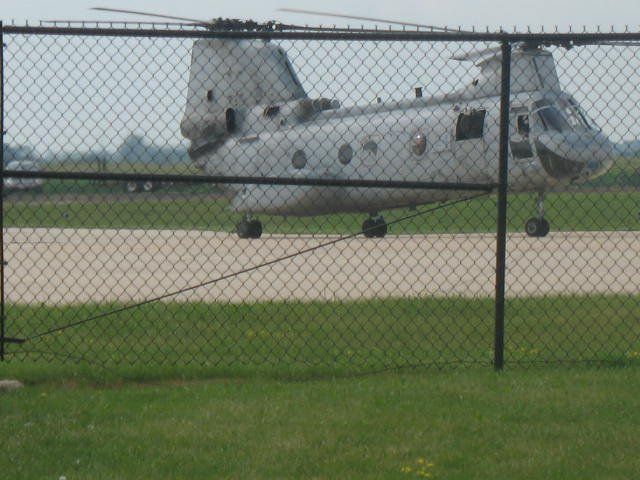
(566, 211)
(473, 424)
(321, 338)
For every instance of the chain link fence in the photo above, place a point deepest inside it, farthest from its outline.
(327, 200)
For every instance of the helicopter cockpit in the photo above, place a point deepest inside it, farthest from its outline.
(568, 143)
(562, 115)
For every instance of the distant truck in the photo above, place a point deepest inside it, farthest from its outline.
(146, 186)
(12, 184)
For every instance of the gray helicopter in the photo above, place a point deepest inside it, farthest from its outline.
(247, 114)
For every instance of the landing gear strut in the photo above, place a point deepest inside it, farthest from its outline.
(374, 226)
(247, 228)
(539, 226)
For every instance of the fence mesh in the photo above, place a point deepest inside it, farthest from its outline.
(124, 267)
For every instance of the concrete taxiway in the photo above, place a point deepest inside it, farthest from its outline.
(69, 266)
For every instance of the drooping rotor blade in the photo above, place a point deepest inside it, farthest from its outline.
(147, 14)
(620, 44)
(371, 19)
(477, 55)
(137, 22)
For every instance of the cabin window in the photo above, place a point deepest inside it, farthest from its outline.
(271, 111)
(299, 160)
(345, 154)
(230, 120)
(522, 124)
(419, 143)
(210, 95)
(370, 147)
(470, 125)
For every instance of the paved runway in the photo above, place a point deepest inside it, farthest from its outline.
(64, 266)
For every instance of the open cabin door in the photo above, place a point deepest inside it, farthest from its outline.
(469, 145)
(520, 137)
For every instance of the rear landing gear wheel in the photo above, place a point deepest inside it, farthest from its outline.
(374, 227)
(131, 187)
(537, 227)
(249, 228)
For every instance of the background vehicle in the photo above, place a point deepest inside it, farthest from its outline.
(146, 186)
(12, 184)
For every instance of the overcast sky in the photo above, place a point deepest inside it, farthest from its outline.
(522, 13)
(67, 116)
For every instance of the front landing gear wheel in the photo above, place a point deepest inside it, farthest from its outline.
(249, 228)
(537, 227)
(374, 227)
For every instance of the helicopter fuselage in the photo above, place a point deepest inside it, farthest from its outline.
(430, 140)
(251, 117)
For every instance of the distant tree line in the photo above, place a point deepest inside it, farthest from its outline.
(135, 150)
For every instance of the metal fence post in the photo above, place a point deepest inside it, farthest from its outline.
(501, 243)
(2, 321)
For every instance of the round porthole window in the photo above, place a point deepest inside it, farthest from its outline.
(345, 154)
(419, 143)
(299, 159)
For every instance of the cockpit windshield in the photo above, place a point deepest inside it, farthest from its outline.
(573, 114)
(586, 119)
(551, 119)
(562, 116)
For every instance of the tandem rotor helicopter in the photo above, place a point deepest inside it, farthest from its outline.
(247, 114)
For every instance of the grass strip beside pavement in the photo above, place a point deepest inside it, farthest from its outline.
(569, 211)
(475, 424)
(297, 339)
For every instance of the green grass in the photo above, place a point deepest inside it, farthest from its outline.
(295, 339)
(289, 390)
(625, 172)
(551, 424)
(566, 211)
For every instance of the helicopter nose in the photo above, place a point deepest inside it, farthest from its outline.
(575, 155)
(600, 159)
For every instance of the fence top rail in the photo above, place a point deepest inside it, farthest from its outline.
(343, 34)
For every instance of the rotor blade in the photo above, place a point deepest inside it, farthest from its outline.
(620, 44)
(371, 19)
(136, 22)
(477, 55)
(146, 14)
(613, 43)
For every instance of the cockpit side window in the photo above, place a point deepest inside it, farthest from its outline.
(470, 125)
(550, 118)
(572, 114)
(587, 122)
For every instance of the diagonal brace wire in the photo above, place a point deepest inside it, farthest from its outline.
(246, 270)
